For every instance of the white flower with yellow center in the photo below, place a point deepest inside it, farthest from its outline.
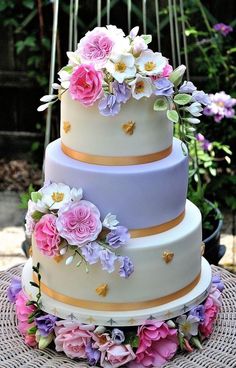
(151, 63)
(54, 196)
(121, 67)
(141, 87)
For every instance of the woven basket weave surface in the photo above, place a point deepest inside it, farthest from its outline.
(218, 352)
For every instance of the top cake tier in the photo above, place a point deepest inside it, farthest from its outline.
(137, 135)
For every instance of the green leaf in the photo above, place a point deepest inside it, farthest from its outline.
(32, 330)
(182, 98)
(160, 104)
(29, 4)
(134, 341)
(172, 115)
(37, 215)
(36, 196)
(147, 38)
(177, 75)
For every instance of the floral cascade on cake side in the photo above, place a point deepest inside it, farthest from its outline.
(151, 344)
(61, 221)
(110, 68)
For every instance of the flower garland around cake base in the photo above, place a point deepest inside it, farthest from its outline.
(148, 345)
(62, 222)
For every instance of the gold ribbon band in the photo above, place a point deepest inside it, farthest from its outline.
(153, 230)
(115, 160)
(102, 306)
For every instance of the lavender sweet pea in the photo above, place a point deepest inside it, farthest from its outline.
(117, 336)
(107, 259)
(93, 355)
(14, 288)
(122, 92)
(45, 324)
(163, 87)
(109, 106)
(198, 312)
(187, 87)
(117, 237)
(126, 268)
(223, 29)
(205, 144)
(91, 252)
(216, 281)
(201, 97)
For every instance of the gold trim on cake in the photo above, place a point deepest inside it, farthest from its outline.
(66, 126)
(103, 306)
(115, 160)
(168, 256)
(129, 127)
(102, 290)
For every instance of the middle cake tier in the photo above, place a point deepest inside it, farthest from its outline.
(144, 197)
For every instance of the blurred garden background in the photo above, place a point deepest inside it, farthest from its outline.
(199, 33)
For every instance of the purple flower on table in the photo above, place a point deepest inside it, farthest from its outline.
(126, 268)
(118, 236)
(163, 87)
(221, 105)
(91, 252)
(13, 289)
(117, 336)
(46, 324)
(122, 92)
(216, 281)
(188, 325)
(198, 312)
(187, 87)
(223, 29)
(205, 144)
(108, 259)
(93, 355)
(201, 97)
(109, 106)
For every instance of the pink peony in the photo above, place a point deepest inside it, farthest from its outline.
(86, 84)
(72, 338)
(116, 356)
(96, 46)
(79, 222)
(23, 312)
(46, 236)
(157, 344)
(211, 310)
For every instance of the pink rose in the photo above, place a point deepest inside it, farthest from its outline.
(86, 84)
(211, 310)
(157, 344)
(72, 338)
(23, 312)
(116, 356)
(96, 46)
(79, 222)
(46, 236)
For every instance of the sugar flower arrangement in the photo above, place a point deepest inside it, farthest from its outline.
(149, 345)
(66, 225)
(110, 68)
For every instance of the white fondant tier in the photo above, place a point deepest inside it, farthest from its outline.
(141, 196)
(85, 130)
(153, 282)
(121, 318)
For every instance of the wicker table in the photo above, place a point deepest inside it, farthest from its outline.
(218, 352)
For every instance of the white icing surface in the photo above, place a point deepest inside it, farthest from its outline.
(163, 312)
(96, 134)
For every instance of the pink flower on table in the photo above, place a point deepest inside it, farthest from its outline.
(79, 222)
(96, 46)
(211, 310)
(116, 355)
(86, 84)
(46, 236)
(157, 344)
(23, 312)
(72, 338)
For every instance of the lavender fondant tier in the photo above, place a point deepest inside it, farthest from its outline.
(140, 196)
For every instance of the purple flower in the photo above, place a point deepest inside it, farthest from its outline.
(13, 289)
(221, 105)
(107, 259)
(223, 29)
(126, 268)
(164, 87)
(122, 92)
(187, 87)
(198, 312)
(205, 144)
(46, 324)
(91, 252)
(117, 237)
(109, 106)
(216, 281)
(93, 355)
(201, 97)
(117, 336)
